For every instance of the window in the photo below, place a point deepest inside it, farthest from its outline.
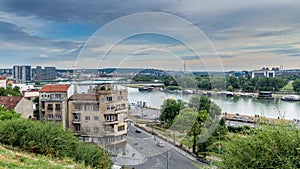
(78, 106)
(87, 129)
(55, 96)
(88, 107)
(77, 128)
(88, 139)
(96, 129)
(43, 104)
(109, 99)
(80, 139)
(87, 118)
(110, 118)
(50, 116)
(121, 128)
(77, 117)
(120, 98)
(96, 139)
(57, 106)
(58, 117)
(110, 108)
(96, 118)
(50, 107)
(95, 107)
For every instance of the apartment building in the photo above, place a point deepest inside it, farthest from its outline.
(22, 73)
(54, 103)
(100, 116)
(48, 73)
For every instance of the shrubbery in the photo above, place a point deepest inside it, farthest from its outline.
(270, 146)
(51, 140)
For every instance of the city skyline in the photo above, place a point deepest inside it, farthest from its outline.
(247, 35)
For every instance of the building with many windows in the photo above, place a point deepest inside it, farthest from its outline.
(53, 102)
(100, 116)
(22, 73)
(48, 73)
(263, 73)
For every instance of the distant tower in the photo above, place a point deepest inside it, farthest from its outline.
(281, 67)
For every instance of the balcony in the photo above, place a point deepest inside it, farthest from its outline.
(122, 110)
(105, 92)
(111, 122)
(76, 111)
(109, 132)
(76, 121)
(77, 133)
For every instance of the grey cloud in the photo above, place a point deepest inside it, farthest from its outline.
(226, 56)
(29, 48)
(190, 57)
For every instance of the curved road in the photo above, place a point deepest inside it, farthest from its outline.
(158, 157)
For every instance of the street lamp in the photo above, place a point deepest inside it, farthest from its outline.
(219, 143)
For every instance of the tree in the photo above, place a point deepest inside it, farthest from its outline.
(185, 120)
(296, 85)
(170, 109)
(230, 88)
(8, 114)
(207, 111)
(271, 146)
(9, 91)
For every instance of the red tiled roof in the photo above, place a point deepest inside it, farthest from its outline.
(84, 97)
(9, 102)
(55, 88)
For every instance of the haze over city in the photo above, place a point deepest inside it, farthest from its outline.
(247, 35)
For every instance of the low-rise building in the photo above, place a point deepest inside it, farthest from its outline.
(3, 82)
(53, 102)
(20, 104)
(263, 73)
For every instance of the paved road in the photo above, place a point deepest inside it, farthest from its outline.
(157, 156)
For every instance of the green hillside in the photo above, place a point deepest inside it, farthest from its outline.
(13, 158)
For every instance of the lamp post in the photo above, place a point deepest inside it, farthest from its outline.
(219, 143)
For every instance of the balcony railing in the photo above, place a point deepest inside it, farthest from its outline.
(76, 121)
(111, 122)
(74, 111)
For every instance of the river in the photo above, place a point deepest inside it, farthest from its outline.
(243, 106)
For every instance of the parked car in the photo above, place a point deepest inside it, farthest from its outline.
(138, 131)
(160, 144)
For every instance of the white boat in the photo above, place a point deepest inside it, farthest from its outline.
(291, 98)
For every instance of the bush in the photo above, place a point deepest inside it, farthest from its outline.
(269, 146)
(52, 140)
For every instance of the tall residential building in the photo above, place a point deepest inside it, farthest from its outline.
(54, 103)
(48, 73)
(22, 73)
(101, 116)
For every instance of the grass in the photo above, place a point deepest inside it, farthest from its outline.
(289, 86)
(13, 158)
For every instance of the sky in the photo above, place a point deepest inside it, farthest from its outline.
(205, 35)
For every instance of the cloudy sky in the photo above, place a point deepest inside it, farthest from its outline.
(205, 35)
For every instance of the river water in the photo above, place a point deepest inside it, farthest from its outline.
(244, 106)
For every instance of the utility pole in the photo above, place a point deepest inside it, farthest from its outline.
(219, 143)
(167, 159)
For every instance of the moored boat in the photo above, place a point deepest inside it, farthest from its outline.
(291, 98)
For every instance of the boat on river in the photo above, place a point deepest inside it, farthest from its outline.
(291, 98)
(265, 95)
(146, 89)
